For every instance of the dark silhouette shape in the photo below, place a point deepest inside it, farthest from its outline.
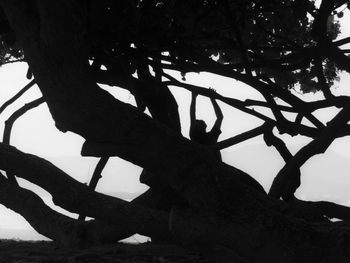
(198, 131)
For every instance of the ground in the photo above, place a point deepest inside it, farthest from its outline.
(48, 252)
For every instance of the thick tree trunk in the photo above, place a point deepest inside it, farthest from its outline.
(77, 104)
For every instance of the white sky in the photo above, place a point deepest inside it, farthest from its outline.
(35, 133)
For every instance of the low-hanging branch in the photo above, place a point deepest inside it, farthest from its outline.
(31, 207)
(77, 197)
(62, 229)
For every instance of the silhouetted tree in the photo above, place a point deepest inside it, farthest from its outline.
(272, 46)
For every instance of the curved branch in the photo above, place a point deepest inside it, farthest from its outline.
(45, 220)
(9, 123)
(78, 198)
(18, 94)
(294, 183)
(58, 227)
(272, 140)
(282, 182)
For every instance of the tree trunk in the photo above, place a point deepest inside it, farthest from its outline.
(59, 65)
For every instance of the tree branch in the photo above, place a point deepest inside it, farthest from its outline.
(17, 95)
(264, 88)
(319, 32)
(287, 126)
(96, 176)
(321, 208)
(9, 123)
(78, 198)
(240, 105)
(11, 120)
(240, 138)
(271, 139)
(285, 177)
(129, 217)
(45, 220)
(60, 228)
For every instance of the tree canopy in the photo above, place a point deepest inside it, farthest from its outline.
(275, 47)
